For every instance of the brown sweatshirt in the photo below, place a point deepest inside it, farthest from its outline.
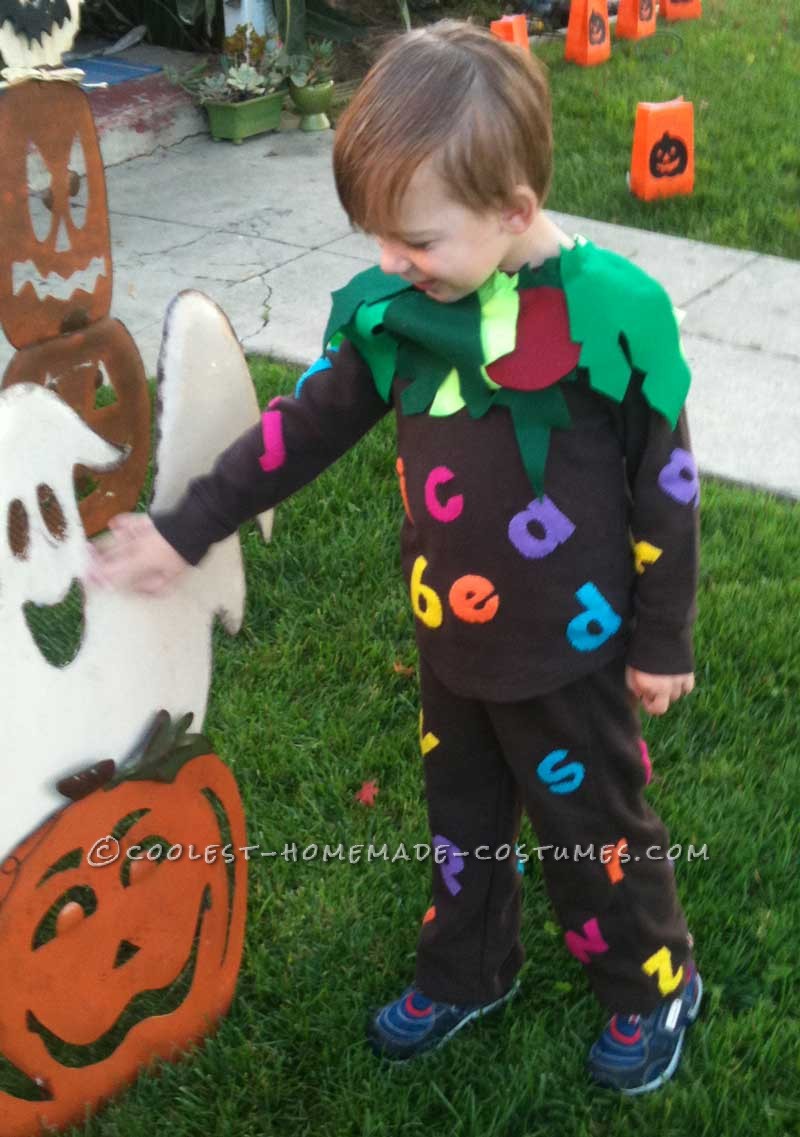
(513, 596)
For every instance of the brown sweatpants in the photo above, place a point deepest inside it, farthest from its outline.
(573, 760)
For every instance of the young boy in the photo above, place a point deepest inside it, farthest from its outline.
(549, 540)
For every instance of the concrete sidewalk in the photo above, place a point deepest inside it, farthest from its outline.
(259, 228)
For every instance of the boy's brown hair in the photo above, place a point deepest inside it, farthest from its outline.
(479, 106)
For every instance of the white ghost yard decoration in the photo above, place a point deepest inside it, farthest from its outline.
(136, 654)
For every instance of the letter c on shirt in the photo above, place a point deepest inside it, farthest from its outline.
(454, 505)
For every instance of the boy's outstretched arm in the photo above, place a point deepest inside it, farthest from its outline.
(664, 487)
(296, 439)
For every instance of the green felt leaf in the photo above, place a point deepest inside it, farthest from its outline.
(499, 301)
(607, 297)
(534, 414)
(377, 348)
(366, 287)
(428, 372)
(545, 275)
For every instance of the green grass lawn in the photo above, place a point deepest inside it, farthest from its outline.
(739, 64)
(307, 704)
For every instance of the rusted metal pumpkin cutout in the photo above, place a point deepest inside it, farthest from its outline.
(99, 373)
(55, 266)
(104, 968)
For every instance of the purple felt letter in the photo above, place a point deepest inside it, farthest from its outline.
(452, 865)
(556, 526)
(679, 478)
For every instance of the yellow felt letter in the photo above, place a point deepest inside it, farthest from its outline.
(661, 962)
(426, 604)
(645, 554)
(427, 742)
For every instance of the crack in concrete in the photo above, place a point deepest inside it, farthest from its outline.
(171, 249)
(154, 151)
(718, 283)
(205, 231)
(756, 349)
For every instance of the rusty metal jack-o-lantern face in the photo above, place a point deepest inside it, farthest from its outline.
(99, 373)
(107, 962)
(55, 251)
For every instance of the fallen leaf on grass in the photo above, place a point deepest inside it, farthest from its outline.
(366, 795)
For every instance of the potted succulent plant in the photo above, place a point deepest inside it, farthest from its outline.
(311, 85)
(244, 94)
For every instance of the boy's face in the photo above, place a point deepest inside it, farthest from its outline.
(440, 246)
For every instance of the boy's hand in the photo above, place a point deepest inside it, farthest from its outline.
(134, 556)
(657, 693)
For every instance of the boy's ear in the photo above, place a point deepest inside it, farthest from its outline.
(520, 213)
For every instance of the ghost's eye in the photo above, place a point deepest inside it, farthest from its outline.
(52, 513)
(40, 193)
(18, 529)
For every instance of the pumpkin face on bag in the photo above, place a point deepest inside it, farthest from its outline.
(103, 968)
(73, 366)
(597, 29)
(55, 251)
(669, 157)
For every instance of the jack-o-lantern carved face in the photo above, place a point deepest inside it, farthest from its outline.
(597, 29)
(669, 157)
(103, 968)
(55, 252)
(645, 9)
(99, 373)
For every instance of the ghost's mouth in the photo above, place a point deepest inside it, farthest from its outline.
(144, 1005)
(58, 629)
(59, 287)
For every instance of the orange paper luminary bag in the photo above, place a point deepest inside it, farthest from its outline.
(681, 9)
(636, 19)
(662, 163)
(512, 29)
(588, 39)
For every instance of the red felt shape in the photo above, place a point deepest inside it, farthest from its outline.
(366, 795)
(544, 352)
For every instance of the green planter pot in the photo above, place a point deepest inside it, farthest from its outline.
(313, 103)
(236, 121)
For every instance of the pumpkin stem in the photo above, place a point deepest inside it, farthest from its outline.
(162, 753)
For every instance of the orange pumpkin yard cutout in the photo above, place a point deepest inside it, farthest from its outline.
(104, 968)
(55, 265)
(588, 39)
(74, 366)
(681, 9)
(662, 162)
(636, 19)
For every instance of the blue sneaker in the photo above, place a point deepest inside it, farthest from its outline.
(638, 1053)
(415, 1024)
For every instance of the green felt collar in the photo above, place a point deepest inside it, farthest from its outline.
(622, 318)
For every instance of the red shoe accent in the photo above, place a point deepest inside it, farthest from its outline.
(412, 1010)
(625, 1039)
